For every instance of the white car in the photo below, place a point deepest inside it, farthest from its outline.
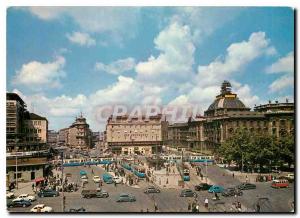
(25, 197)
(117, 179)
(10, 195)
(290, 176)
(96, 179)
(41, 208)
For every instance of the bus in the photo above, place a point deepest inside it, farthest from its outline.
(280, 183)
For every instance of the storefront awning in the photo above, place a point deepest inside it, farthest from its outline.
(39, 179)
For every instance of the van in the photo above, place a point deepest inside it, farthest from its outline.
(282, 183)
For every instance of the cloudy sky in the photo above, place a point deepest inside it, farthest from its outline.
(63, 60)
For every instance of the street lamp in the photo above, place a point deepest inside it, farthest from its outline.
(62, 183)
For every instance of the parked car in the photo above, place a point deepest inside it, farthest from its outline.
(117, 179)
(246, 186)
(202, 187)
(126, 198)
(19, 203)
(232, 192)
(41, 208)
(75, 210)
(96, 179)
(151, 189)
(25, 197)
(48, 193)
(216, 189)
(188, 193)
(290, 177)
(10, 195)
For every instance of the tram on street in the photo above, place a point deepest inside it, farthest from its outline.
(85, 161)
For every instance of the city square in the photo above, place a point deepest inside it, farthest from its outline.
(169, 129)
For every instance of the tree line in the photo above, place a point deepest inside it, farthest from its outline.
(257, 150)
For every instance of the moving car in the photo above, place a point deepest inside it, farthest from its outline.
(246, 186)
(96, 179)
(19, 203)
(151, 189)
(10, 195)
(25, 197)
(48, 193)
(107, 178)
(202, 187)
(216, 189)
(126, 198)
(290, 177)
(117, 179)
(232, 192)
(41, 208)
(188, 193)
(98, 193)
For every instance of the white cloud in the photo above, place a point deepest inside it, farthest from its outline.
(82, 39)
(174, 63)
(37, 75)
(209, 78)
(116, 67)
(204, 21)
(282, 83)
(283, 65)
(118, 22)
(237, 57)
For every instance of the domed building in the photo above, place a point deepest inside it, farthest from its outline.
(228, 113)
(225, 116)
(226, 101)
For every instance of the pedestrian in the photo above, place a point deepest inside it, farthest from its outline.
(32, 186)
(92, 171)
(257, 207)
(115, 184)
(206, 203)
(189, 206)
(232, 175)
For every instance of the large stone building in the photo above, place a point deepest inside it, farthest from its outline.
(79, 134)
(27, 154)
(140, 135)
(225, 116)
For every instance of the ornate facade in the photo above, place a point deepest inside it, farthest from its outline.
(128, 135)
(226, 115)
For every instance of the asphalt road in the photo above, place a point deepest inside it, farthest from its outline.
(168, 200)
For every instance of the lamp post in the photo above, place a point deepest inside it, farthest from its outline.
(62, 183)
(16, 171)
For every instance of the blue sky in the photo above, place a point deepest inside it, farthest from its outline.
(64, 60)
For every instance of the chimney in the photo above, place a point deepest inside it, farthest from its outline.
(287, 100)
(276, 102)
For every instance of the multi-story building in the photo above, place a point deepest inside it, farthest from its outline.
(15, 109)
(62, 136)
(52, 137)
(225, 116)
(140, 135)
(35, 128)
(79, 135)
(27, 154)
